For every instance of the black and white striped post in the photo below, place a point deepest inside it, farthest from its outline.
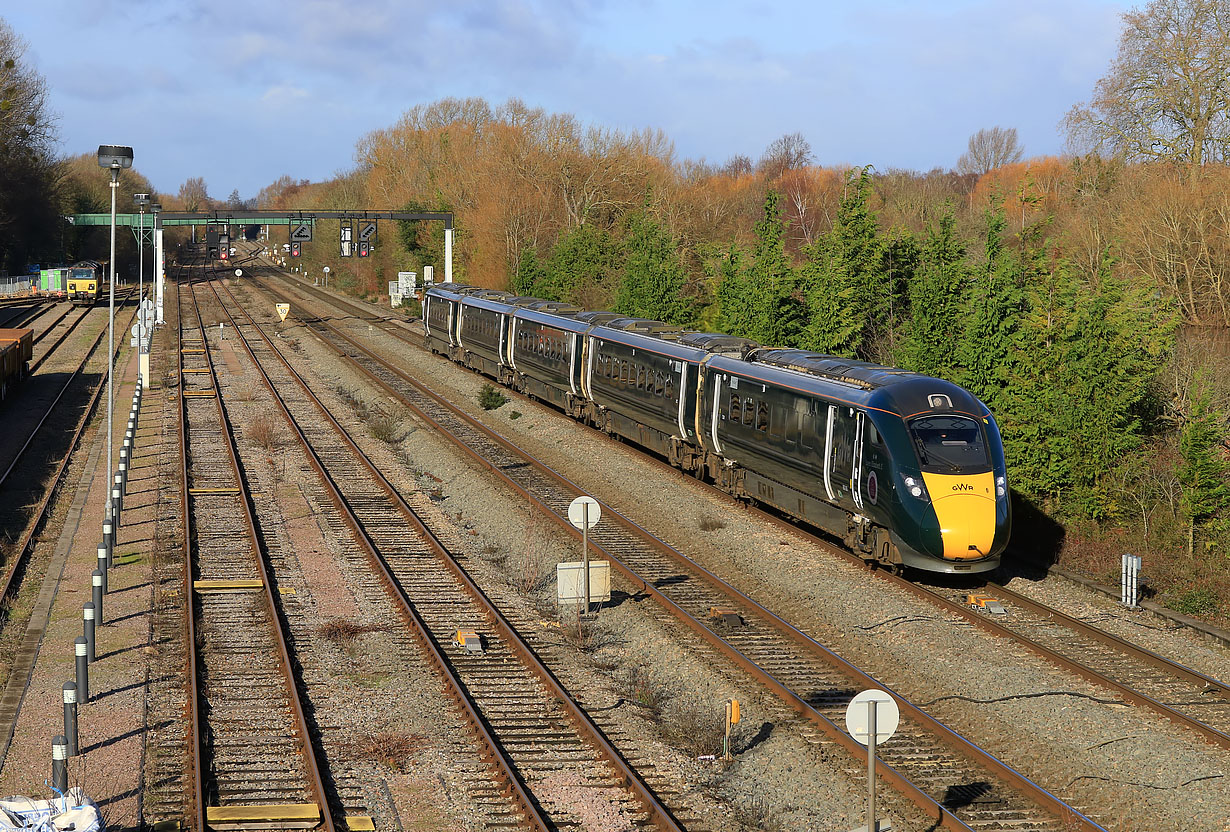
(98, 587)
(83, 668)
(88, 625)
(59, 763)
(70, 718)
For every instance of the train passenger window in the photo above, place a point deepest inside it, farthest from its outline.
(736, 409)
(777, 423)
(659, 383)
(623, 372)
(749, 411)
(762, 416)
(640, 377)
(670, 386)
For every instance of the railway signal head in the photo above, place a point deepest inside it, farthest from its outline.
(295, 250)
(364, 248)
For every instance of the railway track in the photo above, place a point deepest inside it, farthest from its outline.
(70, 325)
(252, 759)
(23, 312)
(948, 777)
(529, 726)
(1146, 679)
(36, 446)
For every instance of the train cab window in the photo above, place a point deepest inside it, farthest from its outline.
(736, 408)
(749, 411)
(950, 445)
(873, 435)
(762, 416)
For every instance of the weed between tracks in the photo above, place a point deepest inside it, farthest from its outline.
(388, 749)
(263, 430)
(346, 633)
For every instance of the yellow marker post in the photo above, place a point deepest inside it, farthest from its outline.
(732, 718)
(283, 310)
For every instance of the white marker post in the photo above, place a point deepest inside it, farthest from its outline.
(1129, 583)
(584, 512)
(871, 717)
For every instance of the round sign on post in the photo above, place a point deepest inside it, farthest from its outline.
(238, 272)
(887, 716)
(577, 514)
(326, 269)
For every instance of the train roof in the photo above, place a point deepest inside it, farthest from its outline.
(862, 374)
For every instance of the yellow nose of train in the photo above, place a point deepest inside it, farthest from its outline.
(965, 508)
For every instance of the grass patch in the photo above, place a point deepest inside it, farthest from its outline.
(385, 428)
(709, 523)
(586, 636)
(644, 689)
(491, 399)
(514, 415)
(694, 729)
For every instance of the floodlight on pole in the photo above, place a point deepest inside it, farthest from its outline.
(115, 158)
(142, 201)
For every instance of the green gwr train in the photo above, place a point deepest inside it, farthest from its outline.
(906, 469)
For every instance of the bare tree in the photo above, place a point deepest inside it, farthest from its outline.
(737, 165)
(194, 194)
(790, 152)
(1167, 94)
(29, 172)
(989, 149)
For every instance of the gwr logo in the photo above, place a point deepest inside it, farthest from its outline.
(963, 486)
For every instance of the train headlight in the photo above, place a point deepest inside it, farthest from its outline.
(916, 488)
(1001, 488)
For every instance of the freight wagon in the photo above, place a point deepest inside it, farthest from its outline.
(16, 351)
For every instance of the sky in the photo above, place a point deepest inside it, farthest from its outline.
(241, 92)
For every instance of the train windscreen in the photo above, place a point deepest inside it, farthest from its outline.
(950, 445)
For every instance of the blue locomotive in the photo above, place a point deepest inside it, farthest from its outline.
(906, 469)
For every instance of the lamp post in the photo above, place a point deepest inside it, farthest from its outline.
(115, 158)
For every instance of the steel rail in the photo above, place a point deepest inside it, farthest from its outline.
(42, 306)
(1068, 663)
(658, 814)
(23, 548)
(53, 324)
(958, 744)
(72, 327)
(316, 783)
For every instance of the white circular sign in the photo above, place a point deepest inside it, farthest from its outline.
(238, 272)
(577, 513)
(858, 711)
(136, 330)
(147, 304)
(326, 269)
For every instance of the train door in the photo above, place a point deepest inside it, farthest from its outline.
(843, 450)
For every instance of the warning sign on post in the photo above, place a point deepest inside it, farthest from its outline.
(283, 310)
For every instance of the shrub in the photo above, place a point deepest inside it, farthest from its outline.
(709, 523)
(694, 729)
(263, 430)
(388, 748)
(1196, 602)
(491, 399)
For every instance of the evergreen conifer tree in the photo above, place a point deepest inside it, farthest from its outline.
(1202, 473)
(849, 296)
(580, 268)
(653, 281)
(530, 272)
(937, 295)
